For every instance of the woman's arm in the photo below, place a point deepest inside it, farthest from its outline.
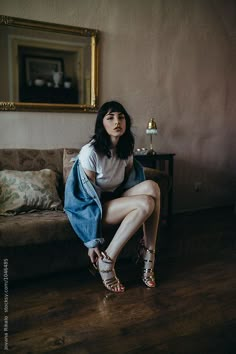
(91, 175)
(129, 167)
(93, 252)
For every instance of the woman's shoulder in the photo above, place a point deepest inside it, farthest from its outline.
(88, 148)
(88, 157)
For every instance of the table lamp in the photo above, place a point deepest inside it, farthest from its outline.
(151, 130)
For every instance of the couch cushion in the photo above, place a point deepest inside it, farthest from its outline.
(35, 228)
(68, 156)
(22, 191)
(31, 159)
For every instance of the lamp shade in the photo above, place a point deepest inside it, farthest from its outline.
(151, 127)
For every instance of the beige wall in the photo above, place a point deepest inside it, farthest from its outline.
(170, 59)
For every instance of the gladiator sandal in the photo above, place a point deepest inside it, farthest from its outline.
(148, 276)
(148, 258)
(106, 265)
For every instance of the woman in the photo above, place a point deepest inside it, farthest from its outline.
(106, 186)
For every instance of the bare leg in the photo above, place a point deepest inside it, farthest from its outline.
(150, 227)
(131, 212)
(138, 206)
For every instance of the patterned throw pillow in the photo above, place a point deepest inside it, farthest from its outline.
(68, 156)
(22, 191)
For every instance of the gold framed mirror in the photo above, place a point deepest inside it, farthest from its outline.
(47, 67)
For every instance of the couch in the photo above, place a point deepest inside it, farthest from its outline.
(39, 242)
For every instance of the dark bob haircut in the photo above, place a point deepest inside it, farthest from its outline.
(101, 140)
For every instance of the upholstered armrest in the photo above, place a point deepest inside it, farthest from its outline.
(160, 177)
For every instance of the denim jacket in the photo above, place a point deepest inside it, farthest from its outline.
(83, 206)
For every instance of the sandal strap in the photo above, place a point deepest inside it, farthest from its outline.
(106, 257)
(148, 278)
(149, 250)
(149, 260)
(107, 260)
(148, 274)
(111, 282)
(148, 271)
(106, 271)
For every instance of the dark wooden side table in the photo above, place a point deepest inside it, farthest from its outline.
(159, 161)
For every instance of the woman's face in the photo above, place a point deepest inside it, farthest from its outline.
(115, 124)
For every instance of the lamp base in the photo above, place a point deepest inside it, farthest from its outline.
(151, 152)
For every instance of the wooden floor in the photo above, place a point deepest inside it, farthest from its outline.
(192, 311)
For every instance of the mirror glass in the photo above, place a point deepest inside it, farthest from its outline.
(47, 67)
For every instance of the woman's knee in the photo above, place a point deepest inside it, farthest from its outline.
(146, 204)
(152, 189)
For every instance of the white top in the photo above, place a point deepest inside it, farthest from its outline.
(110, 172)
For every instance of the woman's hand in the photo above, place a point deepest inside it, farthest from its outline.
(94, 254)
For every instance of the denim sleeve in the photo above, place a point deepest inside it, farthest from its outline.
(94, 243)
(82, 209)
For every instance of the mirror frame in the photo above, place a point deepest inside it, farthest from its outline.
(65, 29)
